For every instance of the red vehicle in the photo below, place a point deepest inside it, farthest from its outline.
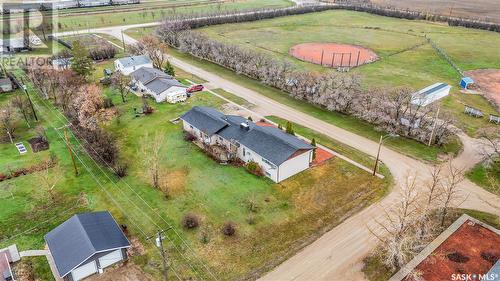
(195, 88)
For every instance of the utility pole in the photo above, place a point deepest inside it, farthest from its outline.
(159, 244)
(29, 99)
(434, 127)
(378, 155)
(68, 144)
(123, 42)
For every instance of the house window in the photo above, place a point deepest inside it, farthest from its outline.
(267, 162)
(268, 174)
(191, 127)
(244, 151)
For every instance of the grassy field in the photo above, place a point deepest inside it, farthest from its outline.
(272, 219)
(403, 61)
(483, 174)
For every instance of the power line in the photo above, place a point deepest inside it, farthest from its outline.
(105, 174)
(99, 183)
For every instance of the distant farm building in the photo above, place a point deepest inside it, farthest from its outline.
(430, 94)
(466, 82)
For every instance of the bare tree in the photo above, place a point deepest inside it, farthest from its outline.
(19, 103)
(449, 189)
(152, 152)
(397, 237)
(7, 122)
(49, 178)
(154, 48)
(121, 83)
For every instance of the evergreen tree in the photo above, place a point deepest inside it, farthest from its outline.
(81, 63)
(169, 69)
(289, 128)
(313, 143)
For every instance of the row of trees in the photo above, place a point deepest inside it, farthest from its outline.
(196, 20)
(83, 106)
(388, 109)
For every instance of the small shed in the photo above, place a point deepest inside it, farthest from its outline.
(430, 94)
(86, 244)
(466, 82)
(5, 85)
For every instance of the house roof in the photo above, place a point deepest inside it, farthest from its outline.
(271, 143)
(82, 236)
(134, 60)
(155, 80)
(159, 85)
(205, 119)
(147, 74)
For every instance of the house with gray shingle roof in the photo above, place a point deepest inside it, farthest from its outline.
(159, 85)
(128, 65)
(280, 155)
(86, 244)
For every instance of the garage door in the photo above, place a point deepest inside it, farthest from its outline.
(110, 258)
(84, 271)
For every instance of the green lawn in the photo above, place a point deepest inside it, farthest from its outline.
(391, 39)
(282, 217)
(486, 175)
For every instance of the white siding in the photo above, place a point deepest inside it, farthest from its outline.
(294, 165)
(84, 271)
(110, 258)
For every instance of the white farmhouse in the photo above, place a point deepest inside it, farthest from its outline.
(279, 154)
(130, 64)
(159, 85)
(430, 94)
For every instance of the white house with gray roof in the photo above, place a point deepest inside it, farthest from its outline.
(159, 85)
(86, 244)
(128, 65)
(280, 155)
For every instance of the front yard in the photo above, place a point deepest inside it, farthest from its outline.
(272, 220)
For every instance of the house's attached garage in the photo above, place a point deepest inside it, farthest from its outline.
(84, 271)
(110, 258)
